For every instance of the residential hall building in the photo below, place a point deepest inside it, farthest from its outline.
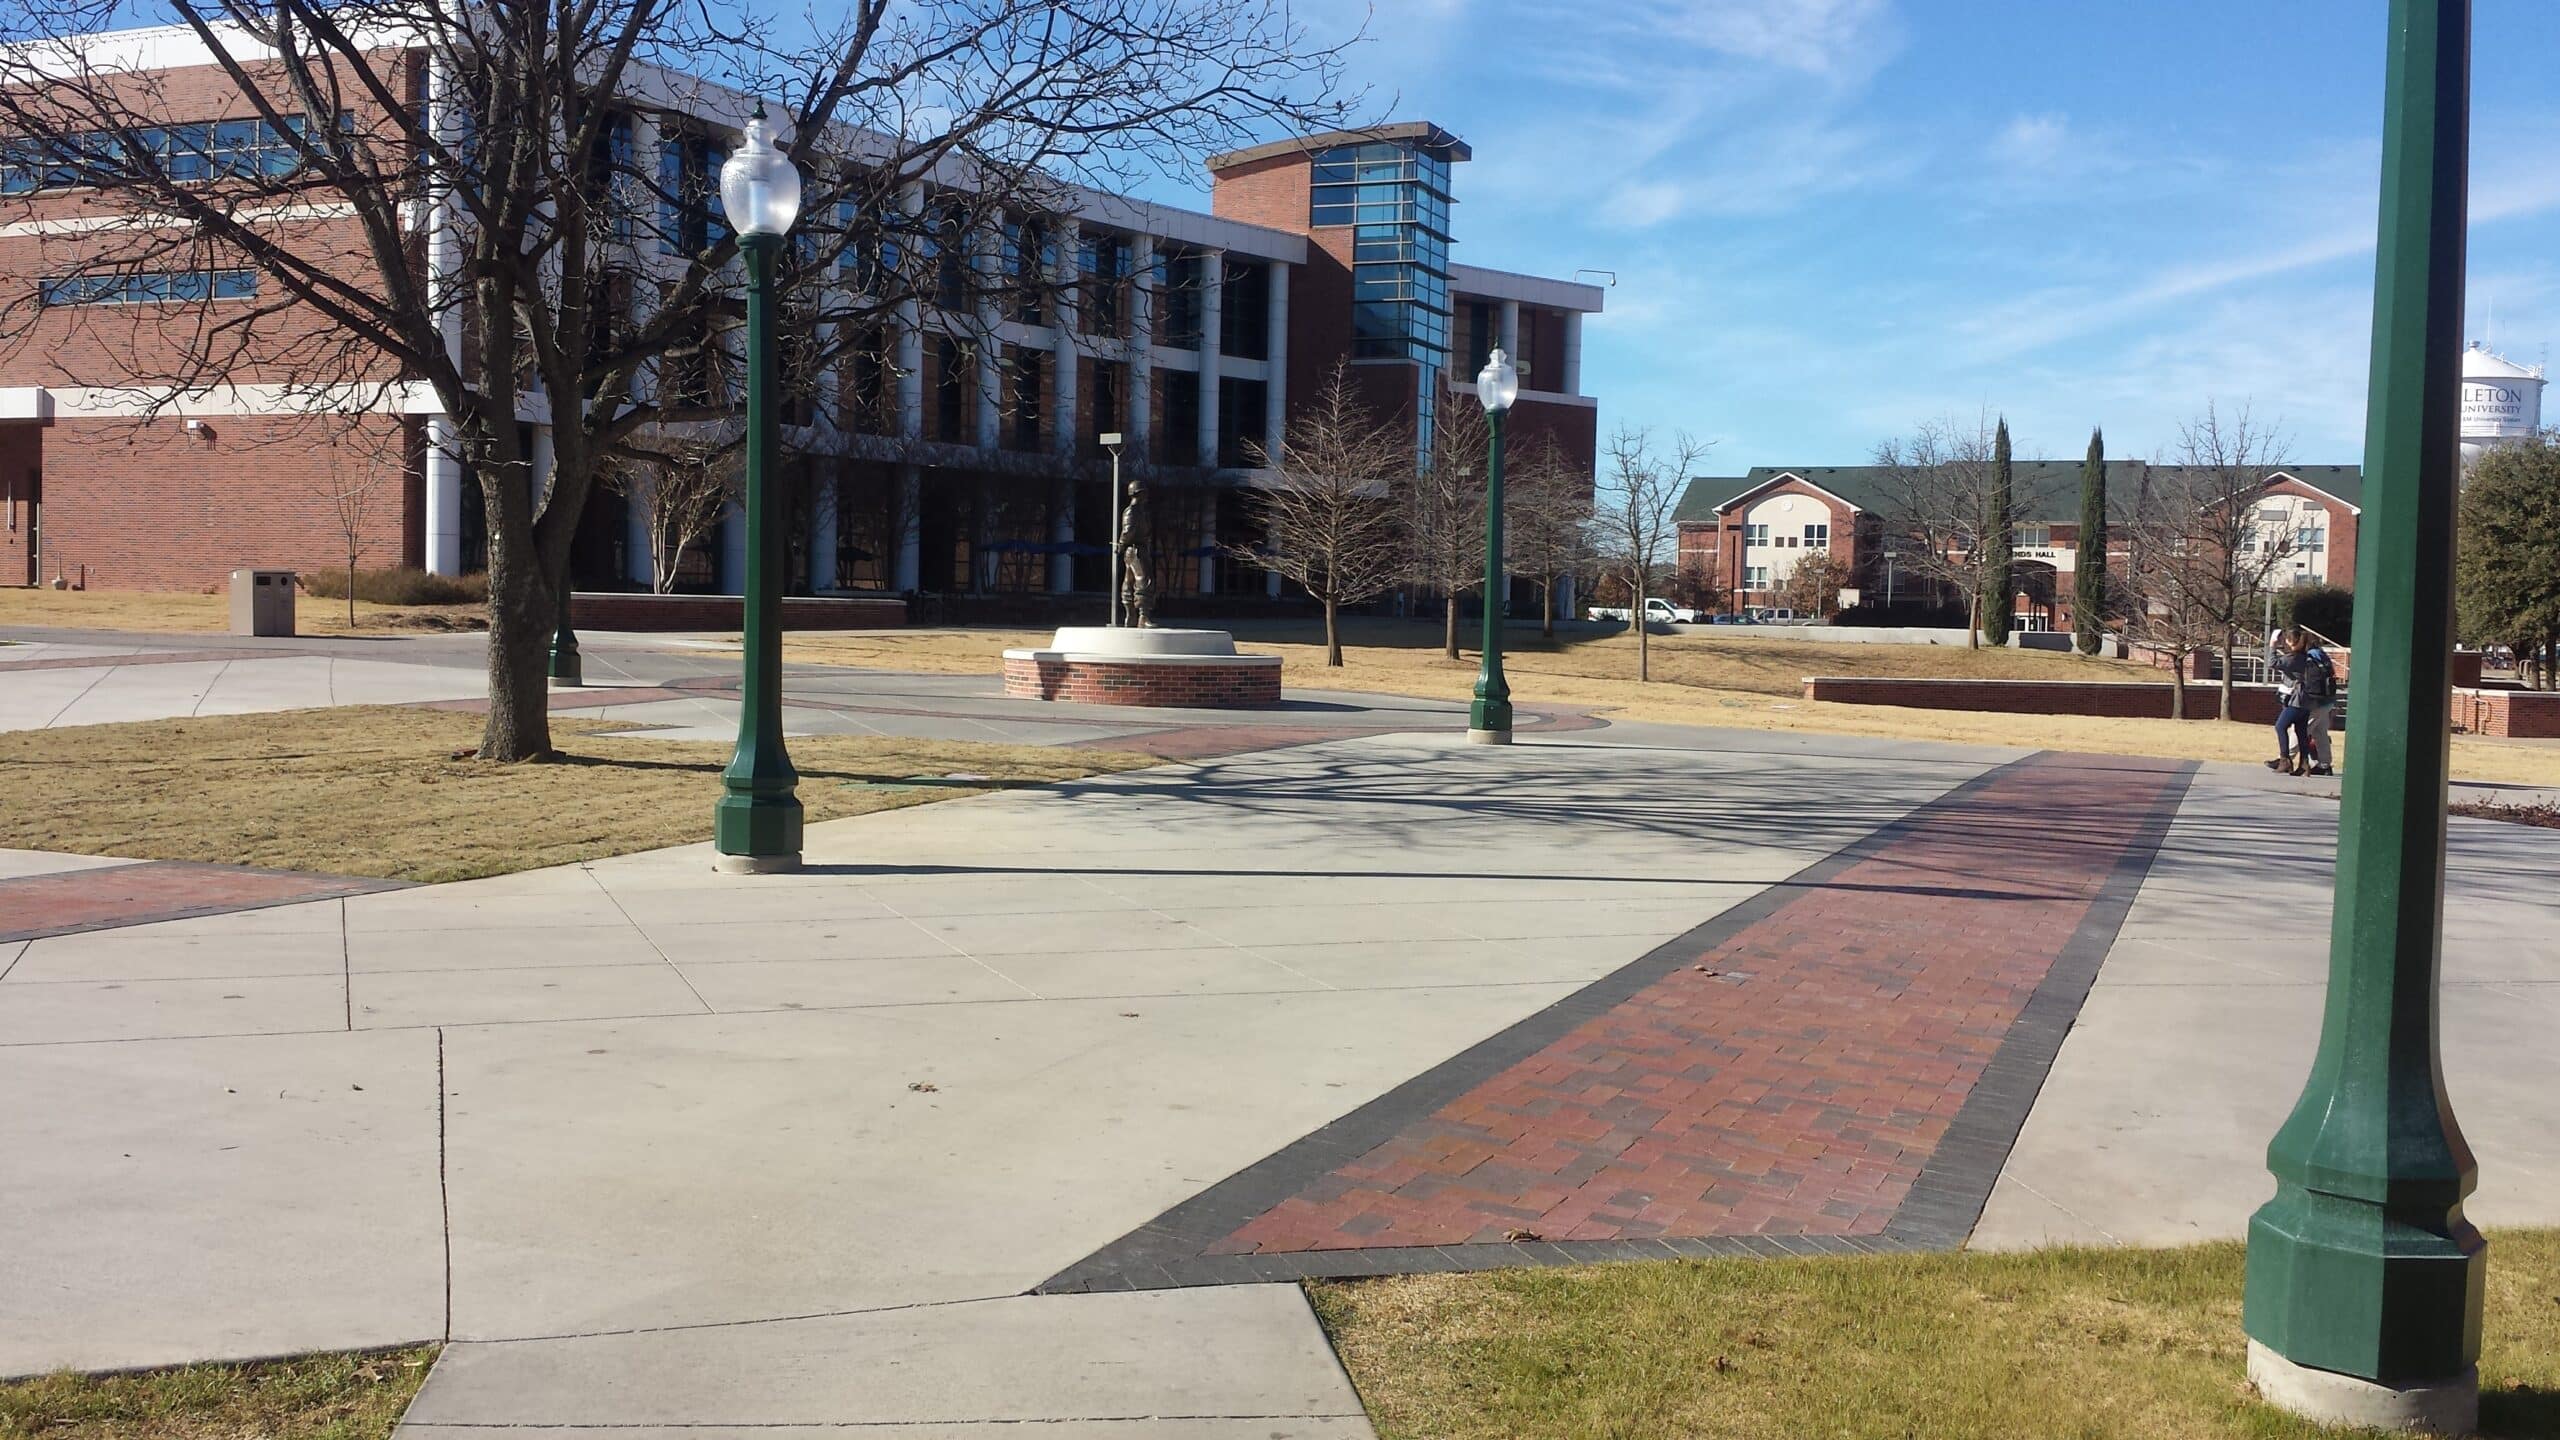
(1744, 535)
(967, 459)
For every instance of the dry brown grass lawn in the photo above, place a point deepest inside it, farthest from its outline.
(2094, 1344)
(158, 612)
(1750, 679)
(320, 1397)
(376, 790)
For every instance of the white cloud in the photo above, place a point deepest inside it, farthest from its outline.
(2032, 142)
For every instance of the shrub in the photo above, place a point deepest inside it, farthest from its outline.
(2329, 609)
(397, 585)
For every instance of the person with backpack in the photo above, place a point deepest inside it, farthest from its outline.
(2319, 701)
(2291, 719)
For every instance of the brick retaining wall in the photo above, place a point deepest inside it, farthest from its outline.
(2508, 714)
(605, 611)
(1192, 684)
(2254, 704)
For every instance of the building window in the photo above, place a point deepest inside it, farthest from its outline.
(955, 381)
(2040, 535)
(689, 184)
(1102, 291)
(1109, 410)
(1241, 407)
(1396, 199)
(1244, 319)
(206, 150)
(2307, 538)
(1028, 256)
(1755, 577)
(1177, 429)
(1023, 372)
(148, 287)
(1817, 537)
(1178, 309)
(1755, 534)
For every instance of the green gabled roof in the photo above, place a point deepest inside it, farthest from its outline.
(2048, 491)
(1698, 503)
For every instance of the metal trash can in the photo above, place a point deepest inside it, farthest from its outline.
(261, 602)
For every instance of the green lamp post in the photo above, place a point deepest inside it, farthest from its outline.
(2364, 1280)
(756, 827)
(1489, 719)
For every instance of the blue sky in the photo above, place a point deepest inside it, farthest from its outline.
(1833, 219)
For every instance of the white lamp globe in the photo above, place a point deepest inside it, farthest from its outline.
(1498, 384)
(759, 187)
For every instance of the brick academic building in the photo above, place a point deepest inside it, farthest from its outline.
(1744, 535)
(966, 460)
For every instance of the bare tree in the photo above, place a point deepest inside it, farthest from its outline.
(2172, 581)
(448, 202)
(680, 486)
(1813, 587)
(1548, 525)
(1945, 486)
(2231, 555)
(1443, 515)
(1632, 527)
(359, 484)
(1329, 515)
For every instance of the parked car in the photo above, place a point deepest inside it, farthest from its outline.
(1657, 611)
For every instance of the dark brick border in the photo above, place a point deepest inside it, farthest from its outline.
(306, 885)
(1938, 1213)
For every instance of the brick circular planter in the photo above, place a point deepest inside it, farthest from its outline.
(1172, 669)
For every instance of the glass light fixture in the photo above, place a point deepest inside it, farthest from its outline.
(759, 186)
(1498, 384)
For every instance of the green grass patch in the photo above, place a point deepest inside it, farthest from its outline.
(2087, 1344)
(317, 1397)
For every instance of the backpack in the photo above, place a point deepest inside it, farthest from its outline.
(2319, 679)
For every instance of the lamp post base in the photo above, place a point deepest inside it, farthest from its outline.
(2442, 1407)
(1488, 737)
(755, 864)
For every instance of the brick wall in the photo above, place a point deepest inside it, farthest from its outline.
(152, 506)
(599, 611)
(2253, 704)
(2508, 714)
(1189, 686)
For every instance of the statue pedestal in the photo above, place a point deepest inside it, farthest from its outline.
(1171, 669)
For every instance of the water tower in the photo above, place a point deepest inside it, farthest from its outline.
(2501, 400)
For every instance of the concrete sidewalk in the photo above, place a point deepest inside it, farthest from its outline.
(665, 1150)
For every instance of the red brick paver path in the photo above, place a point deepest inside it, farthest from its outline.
(1793, 1080)
(35, 906)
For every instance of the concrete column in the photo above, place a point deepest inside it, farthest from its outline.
(1142, 339)
(1209, 537)
(733, 552)
(910, 562)
(1571, 384)
(1564, 597)
(1510, 333)
(1275, 391)
(641, 559)
(982, 538)
(444, 496)
(1271, 583)
(1213, 309)
(911, 339)
(990, 377)
(822, 533)
(1065, 387)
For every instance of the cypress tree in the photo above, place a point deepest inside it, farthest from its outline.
(2089, 583)
(1999, 543)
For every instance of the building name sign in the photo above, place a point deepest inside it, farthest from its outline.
(2494, 409)
(2060, 557)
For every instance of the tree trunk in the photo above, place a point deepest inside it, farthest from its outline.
(1449, 625)
(2177, 687)
(2230, 644)
(351, 592)
(1332, 634)
(521, 619)
(1644, 638)
(1973, 619)
(1547, 609)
